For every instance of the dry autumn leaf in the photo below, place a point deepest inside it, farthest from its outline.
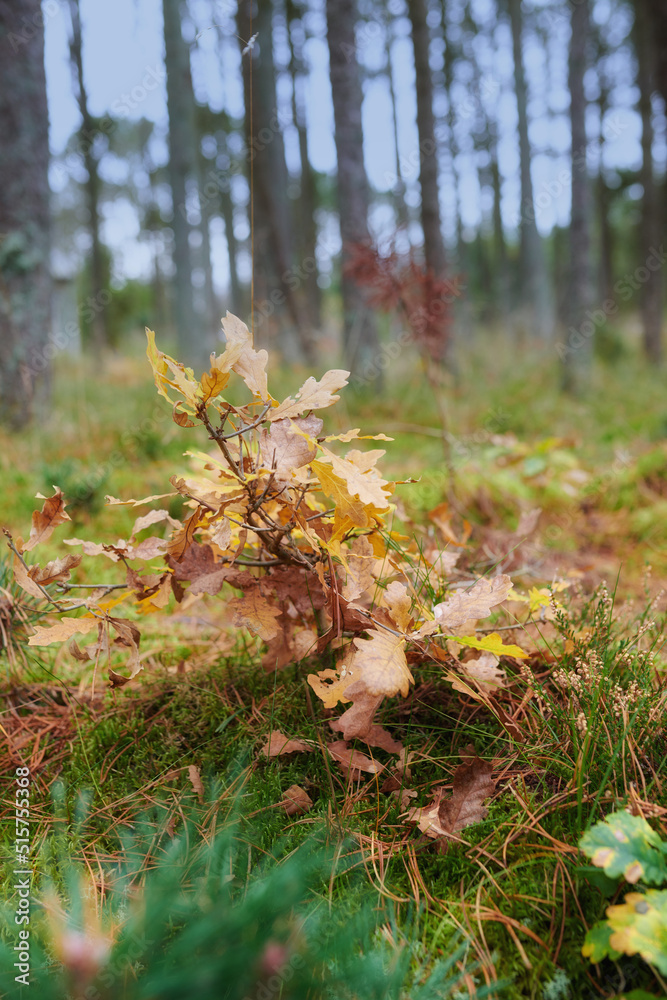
(296, 801)
(63, 630)
(45, 521)
(195, 781)
(250, 364)
(255, 613)
(473, 603)
(312, 395)
(283, 451)
(352, 762)
(382, 664)
(278, 744)
(472, 784)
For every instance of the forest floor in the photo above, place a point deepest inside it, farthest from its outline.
(552, 492)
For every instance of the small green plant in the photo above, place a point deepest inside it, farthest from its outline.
(626, 847)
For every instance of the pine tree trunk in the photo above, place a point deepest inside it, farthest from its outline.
(25, 280)
(274, 291)
(182, 174)
(99, 271)
(532, 264)
(307, 203)
(360, 336)
(400, 204)
(578, 352)
(650, 230)
(434, 247)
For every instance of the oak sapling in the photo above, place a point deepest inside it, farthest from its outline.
(285, 521)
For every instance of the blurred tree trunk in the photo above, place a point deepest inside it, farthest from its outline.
(577, 355)
(182, 172)
(501, 282)
(434, 247)
(274, 275)
(25, 280)
(99, 271)
(400, 205)
(360, 335)
(307, 203)
(603, 194)
(532, 264)
(650, 229)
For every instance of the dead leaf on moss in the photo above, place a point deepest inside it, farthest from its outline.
(444, 816)
(296, 801)
(352, 762)
(195, 781)
(278, 744)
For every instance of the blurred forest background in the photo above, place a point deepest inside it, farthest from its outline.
(421, 170)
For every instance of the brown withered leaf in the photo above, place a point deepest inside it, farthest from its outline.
(291, 583)
(45, 521)
(288, 647)
(474, 603)
(472, 784)
(352, 762)
(195, 781)
(152, 517)
(296, 801)
(115, 502)
(24, 580)
(149, 548)
(183, 538)
(99, 548)
(360, 562)
(255, 613)
(55, 571)
(483, 672)
(397, 599)
(251, 364)
(357, 721)
(220, 533)
(64, 629)
(312, 395)
(128, 636)
(278, 744)
(440, 516)
(382, 662)
(283, 451)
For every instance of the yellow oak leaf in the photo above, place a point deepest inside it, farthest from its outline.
(492, 643)
(159, 365)
(212, 383)
(347, 506)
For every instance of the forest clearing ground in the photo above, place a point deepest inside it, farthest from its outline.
(514, 882)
